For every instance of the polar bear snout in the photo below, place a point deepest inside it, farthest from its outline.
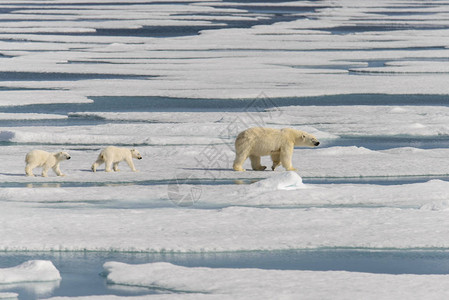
(63, 155)
(316, 143)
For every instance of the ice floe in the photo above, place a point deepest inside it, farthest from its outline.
(378, 181)
(171, 229)
(284, 181)
(30, 271)
(8, 295)
(14, 98)
(30, 116)
(269, 284)
(327, 41)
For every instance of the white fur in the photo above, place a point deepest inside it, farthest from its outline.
(111, 156)
(278, 143)
(46, 160)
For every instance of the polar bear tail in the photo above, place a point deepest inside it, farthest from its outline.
(27, 158)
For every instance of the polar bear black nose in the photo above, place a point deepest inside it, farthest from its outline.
(317, 143)
(68, 157)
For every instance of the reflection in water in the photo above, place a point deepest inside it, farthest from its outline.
(31, 290)
(246, 181)
(44, 185)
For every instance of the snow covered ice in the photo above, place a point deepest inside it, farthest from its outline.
(178, 81)
(30, 271)
(247, 283)
(40, 275)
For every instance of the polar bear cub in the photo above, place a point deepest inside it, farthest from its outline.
(111, 156)
(278, 143)
(46, 160)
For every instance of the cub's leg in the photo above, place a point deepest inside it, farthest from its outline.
(97, 163)
(130, 163)
(57, 170)
(108, 165)
(115, 167)
(255, 163)
(45, 169)
(29, 169)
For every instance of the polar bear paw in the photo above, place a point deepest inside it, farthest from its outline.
(239, 169)
(261, 168)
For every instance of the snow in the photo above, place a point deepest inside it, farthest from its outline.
(25, 116)
(189, 296)
(14, 98)
(85, 227)
(284, 181)
(30, 271)
(250, 60)
(377, 181)
(9, 295)
(143, 208)
(270, 284)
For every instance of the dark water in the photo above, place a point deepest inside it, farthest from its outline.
(167, 104)
(81, 272)
(378, 180)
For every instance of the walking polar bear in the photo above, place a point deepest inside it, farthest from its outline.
(111, 156)
(278, 143)
(46, 160)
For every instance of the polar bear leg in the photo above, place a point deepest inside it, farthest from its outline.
(115, 167)
(96, 164)
(45, 169)
(130, 163)
(108, 165)
(238, 161)
(255, 163)
(29, 169)
(57, 170)
(286, 158)
(276, 158)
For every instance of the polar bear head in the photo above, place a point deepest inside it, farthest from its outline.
(136, 154)
(62, 156)
(306, 139)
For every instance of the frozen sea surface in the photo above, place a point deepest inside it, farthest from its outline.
(178, 80)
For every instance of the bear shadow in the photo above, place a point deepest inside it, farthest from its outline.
(13, 174)
(207, 169)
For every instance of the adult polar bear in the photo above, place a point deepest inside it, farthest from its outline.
(112, 155)
(279, 143)
(46, 160)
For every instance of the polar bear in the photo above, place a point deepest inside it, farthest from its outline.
(112, 155)
(46, 160)
(279, 143)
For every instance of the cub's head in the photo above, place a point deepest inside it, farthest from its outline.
(306, 139)
(62, 155)
(136, 154)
